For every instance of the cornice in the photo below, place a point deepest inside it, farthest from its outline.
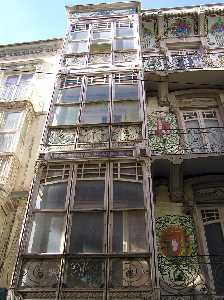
(32, 48)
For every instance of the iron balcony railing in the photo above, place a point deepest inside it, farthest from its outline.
(190, 141)
(191, 277)
(183, 62)
(15, 92)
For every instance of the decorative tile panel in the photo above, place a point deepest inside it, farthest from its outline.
(180, 27)
(100, 59)
(149, 34)
(215, 29)
(163, 133)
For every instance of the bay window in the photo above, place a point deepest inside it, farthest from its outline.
(106, 212)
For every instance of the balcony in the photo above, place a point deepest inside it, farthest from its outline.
(192, 141)
(191, 277)
(15, 92)
(195, 61)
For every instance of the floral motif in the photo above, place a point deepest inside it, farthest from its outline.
(126, 133)
(162, 133)
(218, 26)
(180, 27)
(61, 137)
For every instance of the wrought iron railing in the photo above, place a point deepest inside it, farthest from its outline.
(190, 141)
(191, 277)
(15, 92)
(183, 62)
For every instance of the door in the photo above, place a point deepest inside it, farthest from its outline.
(213, 233)
(203, 131)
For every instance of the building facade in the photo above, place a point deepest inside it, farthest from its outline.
(127, 198)
(25, 71)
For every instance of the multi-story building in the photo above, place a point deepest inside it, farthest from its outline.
(127, 200)
(27, 76)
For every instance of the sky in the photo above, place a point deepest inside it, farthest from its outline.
(30, 20)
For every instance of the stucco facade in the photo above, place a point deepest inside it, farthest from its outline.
(27, 75)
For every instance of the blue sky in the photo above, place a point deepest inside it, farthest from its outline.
(29, 20)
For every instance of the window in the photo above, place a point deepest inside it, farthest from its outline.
(9, 125)
(16, 87)
(79, 35)
(124, 44)
(203, 131)
(124, 29)
(67, 107)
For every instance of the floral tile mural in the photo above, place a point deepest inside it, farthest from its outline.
(181, 27)
(163, 136)
(215, 29)
(179, 265)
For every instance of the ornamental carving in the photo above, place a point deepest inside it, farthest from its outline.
(163, 136)
(209, 194)
(85, 273)
(125, 57)
(39, 273)
(93, 135)
(104, 58)
(181, 27)
(105, 13)
(75, 61)
(61, 137)
(127, 133)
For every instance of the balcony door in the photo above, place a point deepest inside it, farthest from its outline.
(213, 233)
(203, 131)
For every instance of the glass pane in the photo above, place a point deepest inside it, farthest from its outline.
(11, 120)
(126, 92)
(87, 235)
(97, 92)
(78, 47)
(129, 273)
(128, 194)
(46, 233)
(192, 124)
(26, 78)
(89, 194)
(85, 273)
(66, 115)
(124, 32)
(7, 142)
(95, 113)
(211, 123)
(11, 80)
(101, 35)
(51, 196)
(124, 44)
(69, 95)
(125, 112)
(129, 232)
(79, 35)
